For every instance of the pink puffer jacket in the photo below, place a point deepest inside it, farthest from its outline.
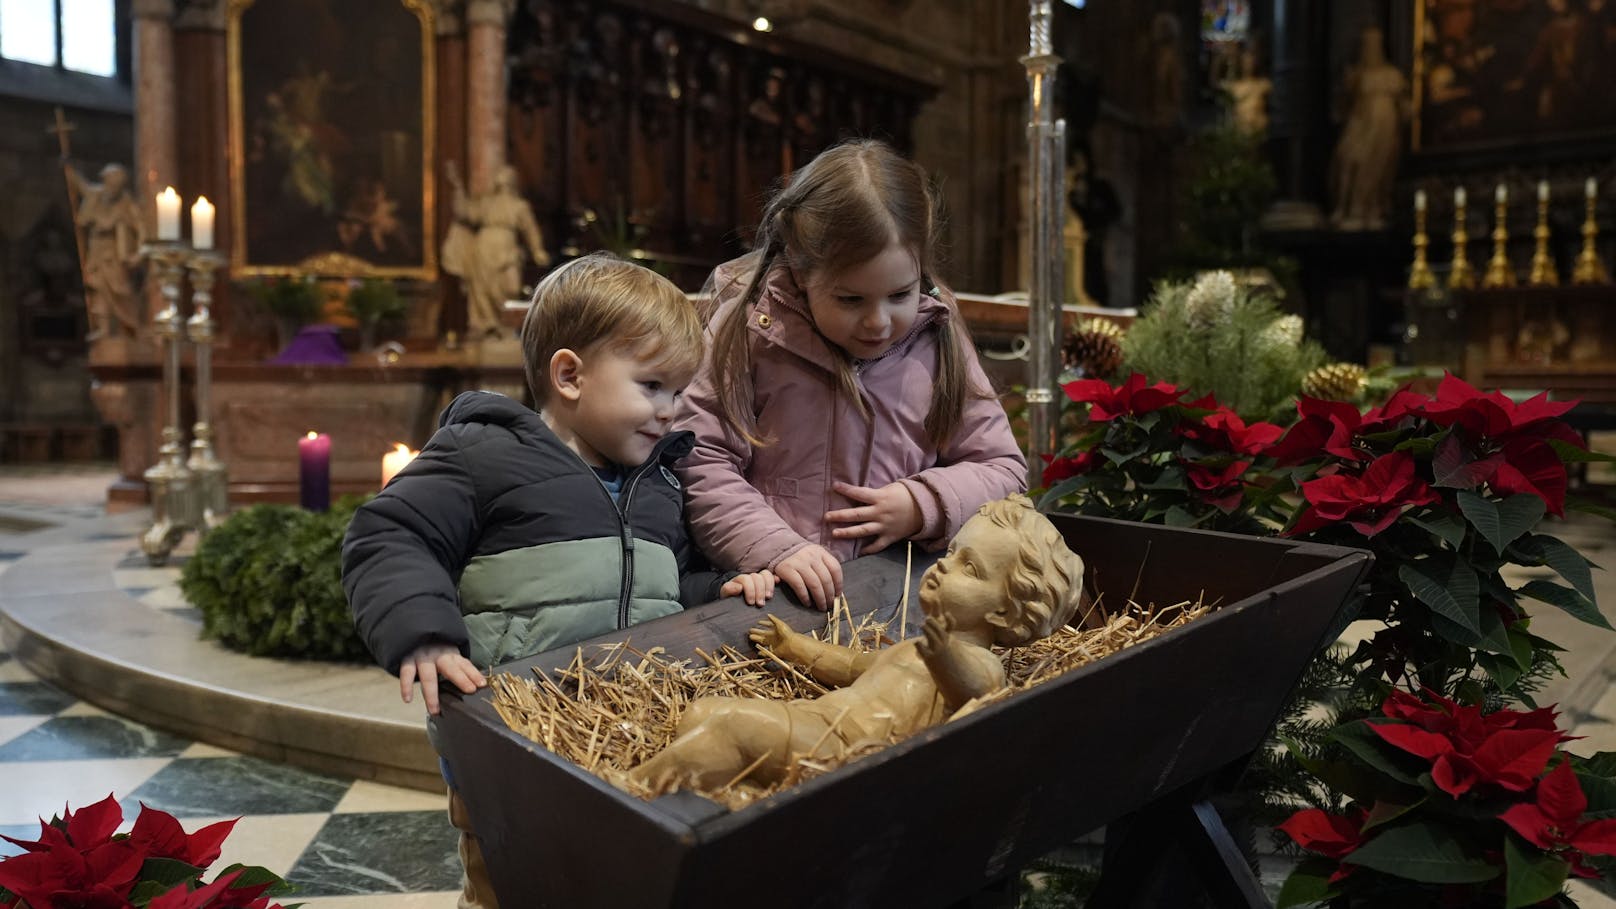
(750, 507)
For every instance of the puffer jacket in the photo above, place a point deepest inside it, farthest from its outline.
(500, 540)
(750, 507)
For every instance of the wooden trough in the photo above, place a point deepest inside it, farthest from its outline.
(1145, 734)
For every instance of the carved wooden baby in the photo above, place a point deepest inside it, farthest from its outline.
(1007, 579)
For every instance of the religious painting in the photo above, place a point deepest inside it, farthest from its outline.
(331, 137)
(1500, 73)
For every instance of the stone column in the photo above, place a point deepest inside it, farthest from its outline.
(155, 155)
(485, 91)
(1299, 101)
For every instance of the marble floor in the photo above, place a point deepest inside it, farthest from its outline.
(344, 843)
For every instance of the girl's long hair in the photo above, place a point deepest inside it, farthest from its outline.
(840, 209)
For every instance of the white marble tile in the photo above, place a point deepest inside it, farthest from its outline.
(449, 900)
(12, 671)
(84, 708)
(273, 841)
(126, 578)
(41, 788)
(204, 750)
(1589, 898)
(167, 597)
(13, 726)
(366, 796)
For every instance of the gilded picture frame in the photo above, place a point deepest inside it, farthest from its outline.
(1525, 73)
(332, 138)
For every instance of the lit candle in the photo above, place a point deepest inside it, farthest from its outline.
(1419, 200)
(314, 471)
(1591, 188)
(1543, 190)
(168, 214)
(395, 461)
(202, 223)
(1501, 194)
(1459, 197)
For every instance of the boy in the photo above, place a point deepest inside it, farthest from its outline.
(514, 532)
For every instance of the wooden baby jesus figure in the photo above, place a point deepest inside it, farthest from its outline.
(1007, 579)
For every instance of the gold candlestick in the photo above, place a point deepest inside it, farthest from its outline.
(1589, 270)
(1543, 273)
(1461, 276)
(1499, 272)
(1420, 276)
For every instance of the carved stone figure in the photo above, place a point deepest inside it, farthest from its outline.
(1366, 155)
(1165, 104)
(484, 248)
(1007, 579)
(1248, 95)
(113, 234)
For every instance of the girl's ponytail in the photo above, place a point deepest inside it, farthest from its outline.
(732, 354)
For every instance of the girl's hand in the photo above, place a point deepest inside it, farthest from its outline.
(813, 574)
(430, 662)
(889, 514)
(755, 587)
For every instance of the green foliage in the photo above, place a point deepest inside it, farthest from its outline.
(291, 299)
(1224, 199)
(1215, 337)
(372, 300)
(269, 583)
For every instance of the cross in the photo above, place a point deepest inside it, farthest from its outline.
(61, 129)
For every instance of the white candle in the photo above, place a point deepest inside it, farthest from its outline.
(1543, 190)
(1419, 200)
(1591, 188)
(1459, 197)
(202, 223)
(168, 214)
(395, 461)
(1501, 194)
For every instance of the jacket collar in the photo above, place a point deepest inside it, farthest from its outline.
(781, 318)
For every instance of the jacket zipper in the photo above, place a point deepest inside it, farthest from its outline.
(628, 548)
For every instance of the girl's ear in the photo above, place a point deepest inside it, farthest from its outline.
(566, 374)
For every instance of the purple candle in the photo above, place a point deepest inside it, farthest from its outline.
(314, 471)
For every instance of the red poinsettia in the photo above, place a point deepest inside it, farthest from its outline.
(1369, 503)
(1218, 485)
(1325, 427)
(1057, 469)
(1223, 430)
(1332, 835)
(161, 836)
(1555, 823)
(218, 895)
(1131, 397)
(1505, 748)
(1492, 415)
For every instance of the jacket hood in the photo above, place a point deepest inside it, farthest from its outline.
(485, 407)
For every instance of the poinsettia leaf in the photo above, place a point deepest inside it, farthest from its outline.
(1500, 523)
(1494, 634)
(146, 891)
(256, 876)
(1423, 852)
(1453, 467)
(1446, 525)
(1572, 454)
(1587, 507)
(1564, 597)
(1502, 670)
(169, 872)
(1119, 456)
(1308, 883)
(1171, 477)
(1353, 780)
(1530, 876)
(1600, 763)
(1520, 647)
(1418, 446)
(1178, 516)
(1386, 812)
(1060, 491)
(1448, 586)
(1370, 748)
(1555, 553)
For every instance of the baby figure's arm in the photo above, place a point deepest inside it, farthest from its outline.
(961, 669)
(827, 663)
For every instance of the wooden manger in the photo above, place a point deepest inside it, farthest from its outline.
(1143, 736)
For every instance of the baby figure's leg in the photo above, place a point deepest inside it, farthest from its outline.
(721, 737)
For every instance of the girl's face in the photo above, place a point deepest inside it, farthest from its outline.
(867, 308)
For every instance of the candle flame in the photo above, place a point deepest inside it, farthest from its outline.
(400, 448)
(313, 435)
(169, 193)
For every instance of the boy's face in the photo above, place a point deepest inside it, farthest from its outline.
(624, 405)
(971, 582)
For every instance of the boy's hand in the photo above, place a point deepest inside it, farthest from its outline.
(431, 662)
(755, 587)
(889, 514)
(813, 574)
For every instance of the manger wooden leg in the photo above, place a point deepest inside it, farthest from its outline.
(1222, 867)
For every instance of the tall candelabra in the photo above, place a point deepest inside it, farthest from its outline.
(1461, 275)
(1543, 273)
(1589, 270)
(209, 474)
(1499, 272)
(1420, 276)
(172, 485)
(1046, 156)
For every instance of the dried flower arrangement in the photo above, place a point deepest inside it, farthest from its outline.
(609, 713)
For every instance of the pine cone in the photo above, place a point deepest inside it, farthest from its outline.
(1285, 331)
(1336, 382)
(1094, 350)
(1211, 299)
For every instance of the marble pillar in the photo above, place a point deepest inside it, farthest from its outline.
(485, 91)
(155, 150)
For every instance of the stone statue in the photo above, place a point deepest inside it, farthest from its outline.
(1007, 579)
(484, 248)
(1165, 104)
(1248, 95)
(113, 234)
(1366, 155)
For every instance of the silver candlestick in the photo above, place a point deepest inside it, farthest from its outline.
(173, 492)
(211, 477)
(1046, 172)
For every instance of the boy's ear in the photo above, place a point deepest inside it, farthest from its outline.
(566, 371)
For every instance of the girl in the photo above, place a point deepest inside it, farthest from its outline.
(841, 407)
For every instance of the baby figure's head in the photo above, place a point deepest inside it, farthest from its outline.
(1008, 573)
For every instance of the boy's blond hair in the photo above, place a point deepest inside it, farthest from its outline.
(601, 301)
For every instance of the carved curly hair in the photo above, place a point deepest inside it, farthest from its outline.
(1046, 583)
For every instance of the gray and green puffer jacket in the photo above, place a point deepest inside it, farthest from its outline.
(500, 540)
